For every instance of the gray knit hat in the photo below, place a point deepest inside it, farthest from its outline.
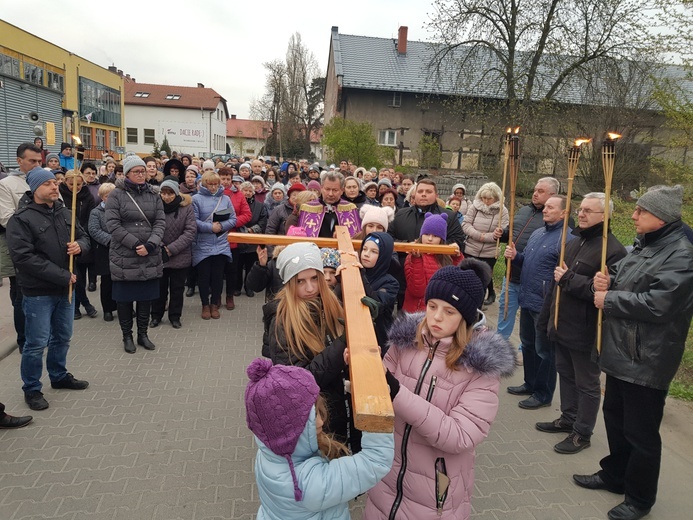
(38, 176)
(130, 162)
(278, 186)
(171, 185)
(664, 202)
(298, 257)
(52, 156)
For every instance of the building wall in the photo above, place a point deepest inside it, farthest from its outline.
(32, 51)
(191, 131)
(331, 90)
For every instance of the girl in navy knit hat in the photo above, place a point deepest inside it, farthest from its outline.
(444, 371)
(302, 472)
(420, 267)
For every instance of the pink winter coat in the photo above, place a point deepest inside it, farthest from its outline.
(441, 423)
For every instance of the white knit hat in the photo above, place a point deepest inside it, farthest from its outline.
(298, 257)
(373, 214)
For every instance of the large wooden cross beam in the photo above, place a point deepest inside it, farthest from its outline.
(370, 397)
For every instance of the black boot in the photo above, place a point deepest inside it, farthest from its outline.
(125, 320)
(491, 297)
(143, 310)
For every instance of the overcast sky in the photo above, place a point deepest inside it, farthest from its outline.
(220, 43)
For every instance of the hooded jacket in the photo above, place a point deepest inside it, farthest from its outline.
(479, 223)
(178, 164)
(327, 486)
(129, 229)
(464, 203)
(181, 229)
(438, 427)
(207, 243)
(383, 286)
(37, 238)
(648, 309)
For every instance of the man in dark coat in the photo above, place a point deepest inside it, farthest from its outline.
(648, 304)
(575, 337)
(38, 237)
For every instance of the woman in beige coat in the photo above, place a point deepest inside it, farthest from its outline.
(485, 214)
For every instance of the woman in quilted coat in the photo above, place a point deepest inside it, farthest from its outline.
(444, 371)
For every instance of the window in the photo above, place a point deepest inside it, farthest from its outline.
(100, 139)
(114, 139)
(9, 66)
(387, 138)
(141, 94)
(132, 135)
(85, 135)
(528, 164)
(149, 136)
(33, 74)
(102, 101)
(56, 81)
(396, 99)
(169, 96)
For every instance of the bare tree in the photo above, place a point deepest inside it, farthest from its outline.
(269, 106)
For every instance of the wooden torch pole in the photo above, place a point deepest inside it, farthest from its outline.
(506, 154)
(608, 157)
(573, 160)
(73, 222)
(514, 169)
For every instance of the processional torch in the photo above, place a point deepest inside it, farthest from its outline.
(514, 169)
(573, 160)
(79, 155)
(506, 154)
(608, 158)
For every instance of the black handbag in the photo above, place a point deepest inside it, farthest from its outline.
(222, 215)
(164, 255)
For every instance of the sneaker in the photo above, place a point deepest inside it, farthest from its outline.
(70, 383)
(35, 400)
(554, 427)
(573, 443)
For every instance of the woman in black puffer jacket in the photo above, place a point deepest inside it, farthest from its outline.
(135, 218)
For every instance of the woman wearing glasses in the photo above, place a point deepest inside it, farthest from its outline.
(135, 218)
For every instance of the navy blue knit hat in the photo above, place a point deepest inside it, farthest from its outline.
(460, 287)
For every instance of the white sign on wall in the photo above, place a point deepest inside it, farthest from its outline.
(182, 134)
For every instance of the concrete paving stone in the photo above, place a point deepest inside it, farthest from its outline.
(523, 484)
(112, 502)
(586, 511)
(488, 488)
(517, 500)
(519, 514)
(535, 458)
(112, 461)
(33, 508)
(213, 511)
(551, 512)
(72, 491)
(156, 498)
(153, 458)
(138, 472)
(191, 494)
(557, 497)
(244, 507)
(89, 475)
(44, 465)
(101, 488)
(174, 512)
(147, 485)
(17, 493)
(143, 512)
(489, 503)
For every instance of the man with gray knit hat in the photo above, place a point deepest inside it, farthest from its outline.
(647, 300)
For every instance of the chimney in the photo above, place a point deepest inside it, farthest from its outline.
(120, 73)
(200, 85)
(127, 76)
(402, 40)
(113, 68)
(233, 116)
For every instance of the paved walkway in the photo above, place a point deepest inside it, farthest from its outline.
(162, 436)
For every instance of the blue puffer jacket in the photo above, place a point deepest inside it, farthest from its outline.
(538, 261)
(206, 242)
(327, 486)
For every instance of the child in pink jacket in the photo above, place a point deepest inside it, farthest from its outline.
(444, 369)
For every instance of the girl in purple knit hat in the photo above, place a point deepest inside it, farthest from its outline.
(302, 472)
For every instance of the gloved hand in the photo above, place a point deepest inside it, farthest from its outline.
(373, 306)
(150, 247)
(393, 383)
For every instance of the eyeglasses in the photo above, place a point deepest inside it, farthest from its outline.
(137, 172)
(586, 211)
(638, 211)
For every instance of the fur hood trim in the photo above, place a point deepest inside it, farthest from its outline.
(187, 200)
(487, 352)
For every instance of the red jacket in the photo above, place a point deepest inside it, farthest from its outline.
(418, 271)
(240, 206)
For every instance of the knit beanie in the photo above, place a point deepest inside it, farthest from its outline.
(208, 165)
(330, 257)
(298, 257)
(461, 288)
(130, 162)
(38, 176)
(296, 231)
(436, 225)
(63, 146)
(296, 187)
(172, 185)
(664, 202)
(372, 214)
(313, 185)
(193, 169)
(52, 155)
(385, 182)
(369, 185)
(237, 178)
(244, 165)
(258, 178)
(278, 403)
(278, 186)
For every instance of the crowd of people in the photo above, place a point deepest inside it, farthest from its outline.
(155, 231)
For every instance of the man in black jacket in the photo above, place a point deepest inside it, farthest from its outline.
(648, 305)
(575, 337)
(38, 237)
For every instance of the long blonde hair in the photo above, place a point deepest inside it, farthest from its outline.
(330, 447)
(459, 342)
(296, 316)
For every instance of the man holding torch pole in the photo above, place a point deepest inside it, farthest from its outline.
(647, 303)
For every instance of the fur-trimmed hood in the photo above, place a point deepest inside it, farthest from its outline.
(487, 352)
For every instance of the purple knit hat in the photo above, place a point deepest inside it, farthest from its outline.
(436, 225)
(278, 401)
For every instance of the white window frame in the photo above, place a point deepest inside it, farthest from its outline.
(396, 101)
(151, 138)
(387, 137)
(132, 137)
